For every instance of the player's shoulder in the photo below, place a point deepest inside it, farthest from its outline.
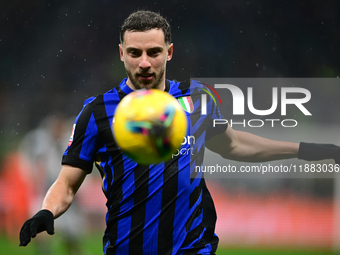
(185, 88)
(109, 99)
(111, 95)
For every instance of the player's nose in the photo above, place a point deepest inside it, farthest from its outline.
(144, 62)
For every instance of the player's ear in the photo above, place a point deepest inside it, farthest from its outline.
(121, 52)
(170, 51)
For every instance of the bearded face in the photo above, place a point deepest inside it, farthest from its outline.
(145, 55)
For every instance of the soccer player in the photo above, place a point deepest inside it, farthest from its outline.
(156, 209)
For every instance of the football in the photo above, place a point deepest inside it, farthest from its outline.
(149, 126)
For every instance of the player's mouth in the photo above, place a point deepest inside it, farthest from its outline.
(145, 76)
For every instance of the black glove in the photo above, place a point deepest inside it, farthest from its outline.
(41, 221)
(314, 151)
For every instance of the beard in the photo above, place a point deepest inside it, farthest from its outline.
(153, 84)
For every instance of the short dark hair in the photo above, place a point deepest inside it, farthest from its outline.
(146, 20)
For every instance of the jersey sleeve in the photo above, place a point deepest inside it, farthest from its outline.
(206, 103)
(81, 149)
(216, 124)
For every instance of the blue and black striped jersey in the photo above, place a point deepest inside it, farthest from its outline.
(157, 209)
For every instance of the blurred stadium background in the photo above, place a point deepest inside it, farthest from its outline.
(55, 54)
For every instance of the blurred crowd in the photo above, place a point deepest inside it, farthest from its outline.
(27, 173)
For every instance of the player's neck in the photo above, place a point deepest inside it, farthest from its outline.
(161, 85)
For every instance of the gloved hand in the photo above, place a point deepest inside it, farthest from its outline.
(43, 220)
(315, 151)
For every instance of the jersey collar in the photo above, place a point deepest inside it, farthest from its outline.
(125, 88)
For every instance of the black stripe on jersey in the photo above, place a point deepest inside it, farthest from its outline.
(114, 196)
(72, 156)
(208, 223)
(168, 206)
(103, 124)
(106, 136)
(195, 195)
(140, 194)
(196, 115)
(199, 156)
(184, 86)
(121, 93)
(194, 233)
(209, 217)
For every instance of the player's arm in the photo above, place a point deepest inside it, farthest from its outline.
(60, 195)
(247, 147)
(57, 200)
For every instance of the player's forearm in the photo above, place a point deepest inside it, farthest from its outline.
(60, 196)
(58, 199)
(252, 148)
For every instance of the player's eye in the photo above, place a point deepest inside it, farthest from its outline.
(134, 53)
(154, 53)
